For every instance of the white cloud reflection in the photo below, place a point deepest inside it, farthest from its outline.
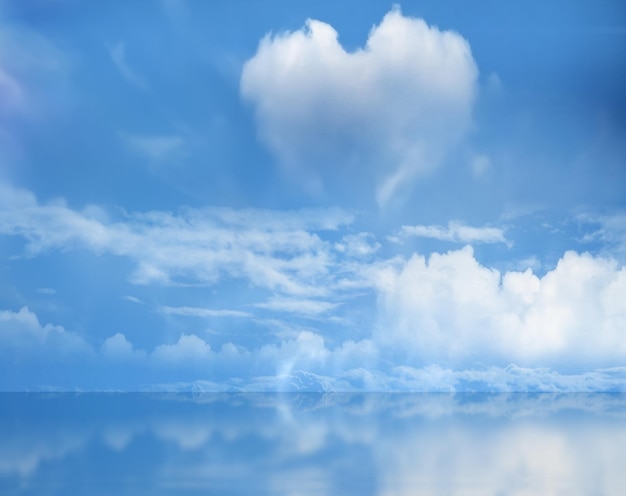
(296, 444)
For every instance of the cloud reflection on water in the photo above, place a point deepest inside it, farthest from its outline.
(378, 444)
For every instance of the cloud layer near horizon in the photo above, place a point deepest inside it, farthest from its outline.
(303, 363)
(448, 308)
(384, 113)
(443, 321)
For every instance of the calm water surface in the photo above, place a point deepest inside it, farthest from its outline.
(313, 444)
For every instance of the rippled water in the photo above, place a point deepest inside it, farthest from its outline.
(322, 444)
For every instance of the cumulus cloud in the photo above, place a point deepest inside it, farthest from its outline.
(301, 362)
(450, 309)
(188, 348)
(456, 232)
(21, 334)
(118, 347)
(384, 113)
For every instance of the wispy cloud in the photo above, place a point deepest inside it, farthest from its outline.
(33, 83)
(297, 305)
(480, 165)
(358, 245)
(610, 230)
(157, 148)
(133, 299)
(202, 312)
(455, 231)
(177, 10)
(280, 251)
(118, 56)
(12, 95)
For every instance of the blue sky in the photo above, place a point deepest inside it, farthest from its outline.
(308, 195)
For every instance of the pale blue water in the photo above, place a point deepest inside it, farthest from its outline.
(313, 444)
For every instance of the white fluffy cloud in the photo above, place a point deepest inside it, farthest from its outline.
(117, 347)
(386, 112)
(303, 361)
(451, 309)
(21, 334)
(188, 348)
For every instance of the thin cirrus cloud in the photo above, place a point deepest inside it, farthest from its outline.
(46, 291)
(157, 148)
(455, 231)
(280, 252)
(387, 111)
(202, 312)
(361, 245)
(22, 335)
(29, 63)
(11, 93)
(306, 307)
(118, 56)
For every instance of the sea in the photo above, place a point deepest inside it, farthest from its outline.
(312, 444)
